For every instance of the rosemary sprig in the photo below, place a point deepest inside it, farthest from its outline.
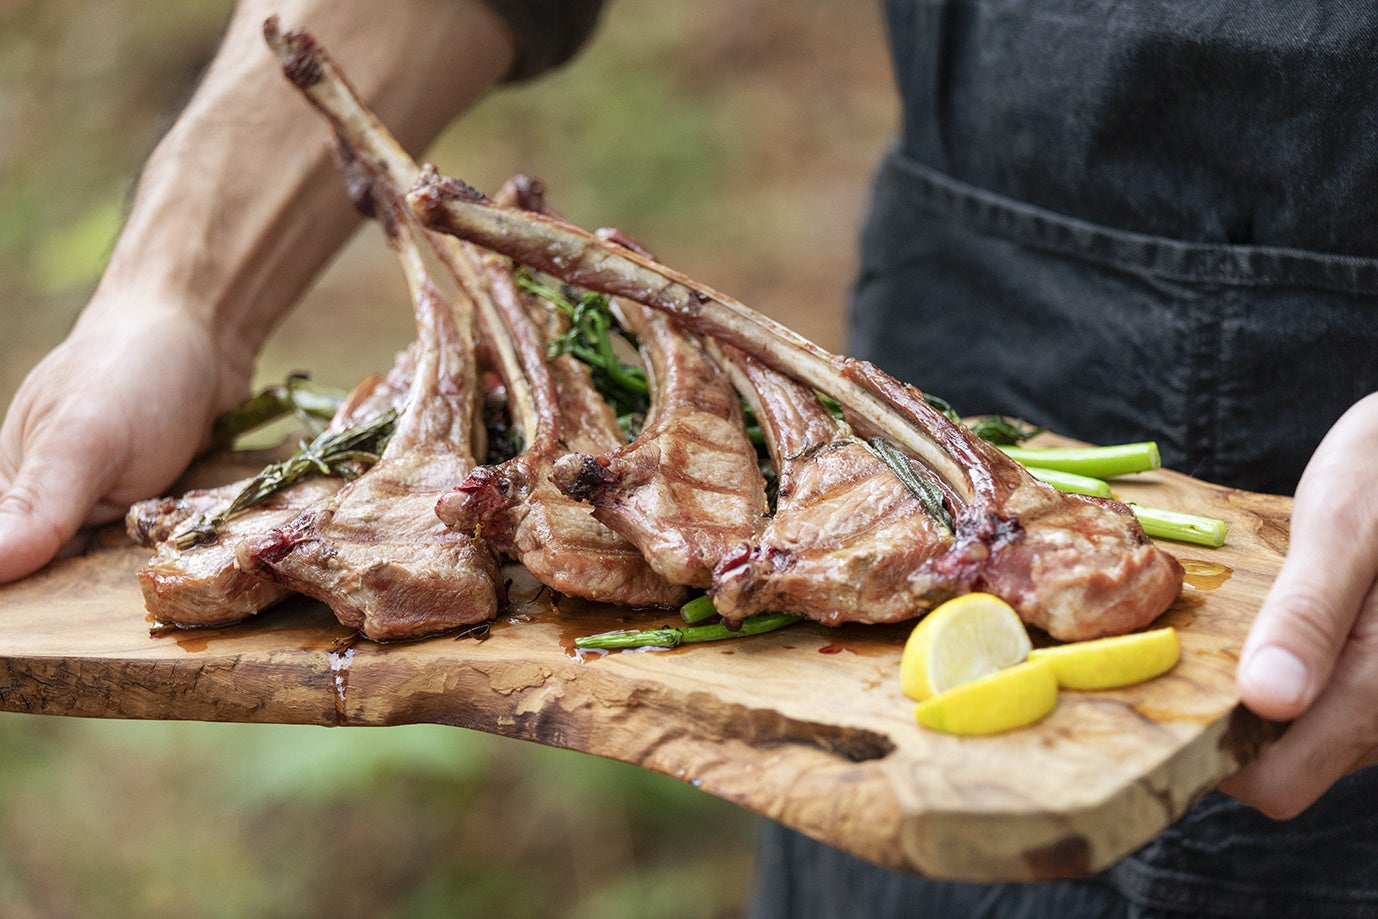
(1003, 431)
(928, 494)
(589, 339)
(312, 404)
(345, 453)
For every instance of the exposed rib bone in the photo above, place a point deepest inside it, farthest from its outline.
(515, 507)
(848, 541)
(688, 490)
(582, 258)
(360, 135)
(1076, 567)
(375, 552)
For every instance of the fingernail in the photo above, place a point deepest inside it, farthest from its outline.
(1280, 673)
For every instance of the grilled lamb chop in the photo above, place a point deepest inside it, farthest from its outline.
(375, 552)
(203, 585)
(689, 488)
(848, 541)
(1076, 567)
(515, 505)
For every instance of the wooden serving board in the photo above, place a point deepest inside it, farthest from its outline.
(806, 725)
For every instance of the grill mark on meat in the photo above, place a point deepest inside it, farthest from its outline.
(848, 542)
(1076, 568)
(689, 488)
(519, 509)
(519, 512)
(375, 552)
(204, 585)
(515, 505)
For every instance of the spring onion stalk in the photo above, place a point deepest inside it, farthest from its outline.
(673, 638)
(697, 610)
(1097, 462)
(1071, 482)
(1192, 528)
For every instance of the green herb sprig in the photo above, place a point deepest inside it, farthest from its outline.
(344, 453)
(312, 404)
(589, 339)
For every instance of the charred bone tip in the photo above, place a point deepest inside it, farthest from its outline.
(298, 51)
(526, 192)
(581, 476)
(428, 196)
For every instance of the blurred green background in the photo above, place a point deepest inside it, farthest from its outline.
(735, 138)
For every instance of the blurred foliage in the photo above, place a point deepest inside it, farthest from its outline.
(189, 819)
(734, 138)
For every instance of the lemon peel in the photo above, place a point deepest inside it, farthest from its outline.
(1014, 697)
(1110, 663)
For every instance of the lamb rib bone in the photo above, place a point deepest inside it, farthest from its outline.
(848, 541)
(361, 135)
(597, 263)
(375, 552)
(688, 489)
(549, 541)
(204, 586)
(515, 505)
(1076, 567)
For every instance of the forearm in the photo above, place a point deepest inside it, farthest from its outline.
(238, 207)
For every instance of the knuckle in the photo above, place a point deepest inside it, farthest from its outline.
(1311, 618)
(22, 503)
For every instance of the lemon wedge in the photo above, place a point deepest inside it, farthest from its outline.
(1108, 663)
(1011, 698)
(964, 639)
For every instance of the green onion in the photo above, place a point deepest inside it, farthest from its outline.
(1192, 528)
(1071, 482)
(1097, 462)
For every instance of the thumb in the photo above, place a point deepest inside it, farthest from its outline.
(1307, 616)
(53, 492)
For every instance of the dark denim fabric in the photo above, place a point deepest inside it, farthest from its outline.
(1237, 359)
(1131, 221)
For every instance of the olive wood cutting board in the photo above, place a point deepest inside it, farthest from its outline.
(806, 725)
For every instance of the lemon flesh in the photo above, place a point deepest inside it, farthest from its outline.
(1012, 698)
(964, 639)
(1109, 663)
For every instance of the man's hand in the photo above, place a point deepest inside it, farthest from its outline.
(112, 415)
(236, 211)
(1312, 654)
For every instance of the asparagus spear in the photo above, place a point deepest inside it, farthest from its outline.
(672, 637)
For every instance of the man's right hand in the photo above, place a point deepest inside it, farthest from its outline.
(112, 415)
(236, 211)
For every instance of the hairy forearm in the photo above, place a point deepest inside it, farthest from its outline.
(237, 209)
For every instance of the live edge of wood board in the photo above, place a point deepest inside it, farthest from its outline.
(806, 726)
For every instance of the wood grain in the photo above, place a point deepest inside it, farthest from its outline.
(806, 726)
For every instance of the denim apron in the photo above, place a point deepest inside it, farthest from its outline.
(1128, 221)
